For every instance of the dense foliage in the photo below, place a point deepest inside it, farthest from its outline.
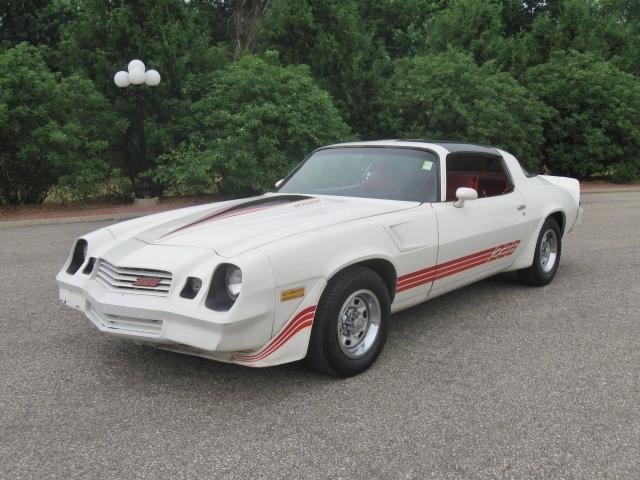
(251, 86)
(433, 95)
(596, 115)
(250, 127)
(53, 129)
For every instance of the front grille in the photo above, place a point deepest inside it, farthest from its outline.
(123, 279)
(129, 324)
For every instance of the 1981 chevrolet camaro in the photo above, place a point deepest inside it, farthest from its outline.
(314, 270)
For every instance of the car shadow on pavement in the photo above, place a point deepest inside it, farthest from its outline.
(167, 371)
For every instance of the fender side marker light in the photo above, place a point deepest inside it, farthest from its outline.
(291, 294)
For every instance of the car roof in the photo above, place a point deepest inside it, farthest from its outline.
(449, 146)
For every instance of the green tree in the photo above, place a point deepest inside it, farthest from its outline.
(38, 22)
(331, 37)
(468, 25)
(257, 121)
(595, 125)
(401, 27)
(177, 38)
(609, 29)
(54, 130)
(448, 96)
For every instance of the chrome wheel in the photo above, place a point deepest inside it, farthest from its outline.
(359, 323)
(548, 251)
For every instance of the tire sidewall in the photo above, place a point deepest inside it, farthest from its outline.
(327, 319)
(546, 277)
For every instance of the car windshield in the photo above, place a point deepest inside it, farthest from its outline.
(373, 172)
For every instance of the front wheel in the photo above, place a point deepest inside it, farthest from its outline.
(547, 256)
(351, 322)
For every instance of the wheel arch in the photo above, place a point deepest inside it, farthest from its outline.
(560, 217)
(380, 265)
(525, 259)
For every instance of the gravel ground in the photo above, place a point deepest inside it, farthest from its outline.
(496, 380)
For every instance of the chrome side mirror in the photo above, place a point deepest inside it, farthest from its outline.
(463, 194)
(279, 182)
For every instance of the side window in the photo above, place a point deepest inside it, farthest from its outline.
(484, 173)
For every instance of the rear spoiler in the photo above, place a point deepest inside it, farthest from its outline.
(570, 184)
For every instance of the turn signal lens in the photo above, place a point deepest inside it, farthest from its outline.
(78, 256)
(195, 284)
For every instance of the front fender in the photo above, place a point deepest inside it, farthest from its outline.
(311, 257)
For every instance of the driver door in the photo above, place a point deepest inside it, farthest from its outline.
(481, 237)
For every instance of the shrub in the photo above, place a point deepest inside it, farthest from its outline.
(595, 124)
(448, 96)
(54, 130)
(257, 121)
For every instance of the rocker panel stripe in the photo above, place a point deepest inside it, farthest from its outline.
(451, 267)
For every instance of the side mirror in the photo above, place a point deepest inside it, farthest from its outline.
(463, 194)
(279, 182)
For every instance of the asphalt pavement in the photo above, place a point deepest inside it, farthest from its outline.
(497, 380)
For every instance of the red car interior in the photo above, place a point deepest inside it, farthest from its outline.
(487, 184)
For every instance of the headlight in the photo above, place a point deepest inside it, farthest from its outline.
(225, 287)
(233, 281)
(78, 256)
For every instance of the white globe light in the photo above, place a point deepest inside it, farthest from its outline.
(135, 65)
(121, 79)
(137, 76)
(152, 78)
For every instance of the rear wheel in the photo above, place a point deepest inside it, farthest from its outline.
(547, 256)
(350, 326)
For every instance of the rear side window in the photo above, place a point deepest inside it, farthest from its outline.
(484, 173)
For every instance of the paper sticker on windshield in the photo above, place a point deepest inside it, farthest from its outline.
(426, 165)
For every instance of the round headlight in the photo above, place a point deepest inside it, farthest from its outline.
(233, 281)
(85, 250)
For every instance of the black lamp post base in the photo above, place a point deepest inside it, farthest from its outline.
(146, 202)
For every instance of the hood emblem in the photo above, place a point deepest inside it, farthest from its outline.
(146, 282)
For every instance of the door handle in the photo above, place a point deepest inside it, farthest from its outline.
(521, 207)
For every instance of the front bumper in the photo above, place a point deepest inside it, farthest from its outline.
(179, 323)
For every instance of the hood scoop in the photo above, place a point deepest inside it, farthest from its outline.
(243, 208)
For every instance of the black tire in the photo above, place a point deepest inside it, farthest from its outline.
(539, 274)
(325, 354)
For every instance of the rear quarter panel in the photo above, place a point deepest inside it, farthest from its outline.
(543, 197)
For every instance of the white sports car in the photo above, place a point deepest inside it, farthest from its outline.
(315, 269)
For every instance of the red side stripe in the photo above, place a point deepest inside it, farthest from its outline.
(301, 321)
(448, 265)
(293, 328)
(451, 267)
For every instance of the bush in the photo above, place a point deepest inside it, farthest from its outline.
(54, 130)
(626, 172)
(257, 121)
(448, 96)
(595, 125)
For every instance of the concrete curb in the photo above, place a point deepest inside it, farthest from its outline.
(114, 217)
(610, 190)
(82, 219)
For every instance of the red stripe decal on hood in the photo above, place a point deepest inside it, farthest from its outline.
(236, 210)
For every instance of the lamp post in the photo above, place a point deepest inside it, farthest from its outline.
(137, 77)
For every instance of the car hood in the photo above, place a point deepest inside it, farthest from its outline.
(230, 228)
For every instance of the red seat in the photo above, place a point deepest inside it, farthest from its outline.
(492, 186)
(455, 180)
